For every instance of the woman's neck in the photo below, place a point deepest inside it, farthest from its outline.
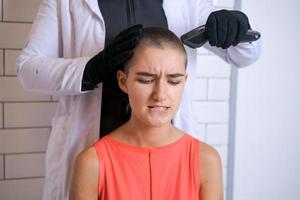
(139, 134)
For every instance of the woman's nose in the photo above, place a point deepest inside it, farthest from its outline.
(159, 90)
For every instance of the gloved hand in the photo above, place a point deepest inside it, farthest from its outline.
(226, 28)
(101, 66)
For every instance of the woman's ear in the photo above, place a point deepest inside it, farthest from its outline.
(122, 77)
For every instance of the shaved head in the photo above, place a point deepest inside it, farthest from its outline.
(157, 37)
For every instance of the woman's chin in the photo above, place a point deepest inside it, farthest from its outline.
(158, 122)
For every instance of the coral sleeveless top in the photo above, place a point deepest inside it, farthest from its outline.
(128, 172)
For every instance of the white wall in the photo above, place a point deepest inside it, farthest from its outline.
(267, 143)
(24, 117)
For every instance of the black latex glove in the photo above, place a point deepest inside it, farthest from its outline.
(226, 28)
(100, 67)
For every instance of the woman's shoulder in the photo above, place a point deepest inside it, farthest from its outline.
(85, 173)
(88, 158)
(210, 169)
(208, 154)
(210, 172)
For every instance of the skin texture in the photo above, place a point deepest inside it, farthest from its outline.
(154, 84)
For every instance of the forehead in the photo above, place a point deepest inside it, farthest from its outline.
(152, 59)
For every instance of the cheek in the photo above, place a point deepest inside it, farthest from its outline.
(176, 94)
(137, 95)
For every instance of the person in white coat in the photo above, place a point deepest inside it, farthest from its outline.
(65, 36)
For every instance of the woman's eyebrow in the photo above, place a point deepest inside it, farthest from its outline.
(175, 75)
(146, 74)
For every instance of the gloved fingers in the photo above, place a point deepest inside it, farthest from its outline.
(115, 54)
(243, 25)
(133, 31)
(211, 29)
(236, 39)
(120, 59)
(231, 34)
(222, 24)
(242, 31)
(125, 45)
(225, 28)
(126, 40)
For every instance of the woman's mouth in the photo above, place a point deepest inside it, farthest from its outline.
(158, 108)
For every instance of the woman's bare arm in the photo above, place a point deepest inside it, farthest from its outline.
(210, 174)
(85, 177)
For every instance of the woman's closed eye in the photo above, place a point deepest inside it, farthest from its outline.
(145, 81)
(149, 81)
(174, 82)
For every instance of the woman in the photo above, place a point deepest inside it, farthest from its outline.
(147, 157)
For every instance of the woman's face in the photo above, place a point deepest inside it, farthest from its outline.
(154, 84)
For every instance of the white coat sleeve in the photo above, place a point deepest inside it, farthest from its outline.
(241, 55)
(40, 67)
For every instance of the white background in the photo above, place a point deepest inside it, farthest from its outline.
(267, 143)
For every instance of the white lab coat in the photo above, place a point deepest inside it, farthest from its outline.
(64, 36)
